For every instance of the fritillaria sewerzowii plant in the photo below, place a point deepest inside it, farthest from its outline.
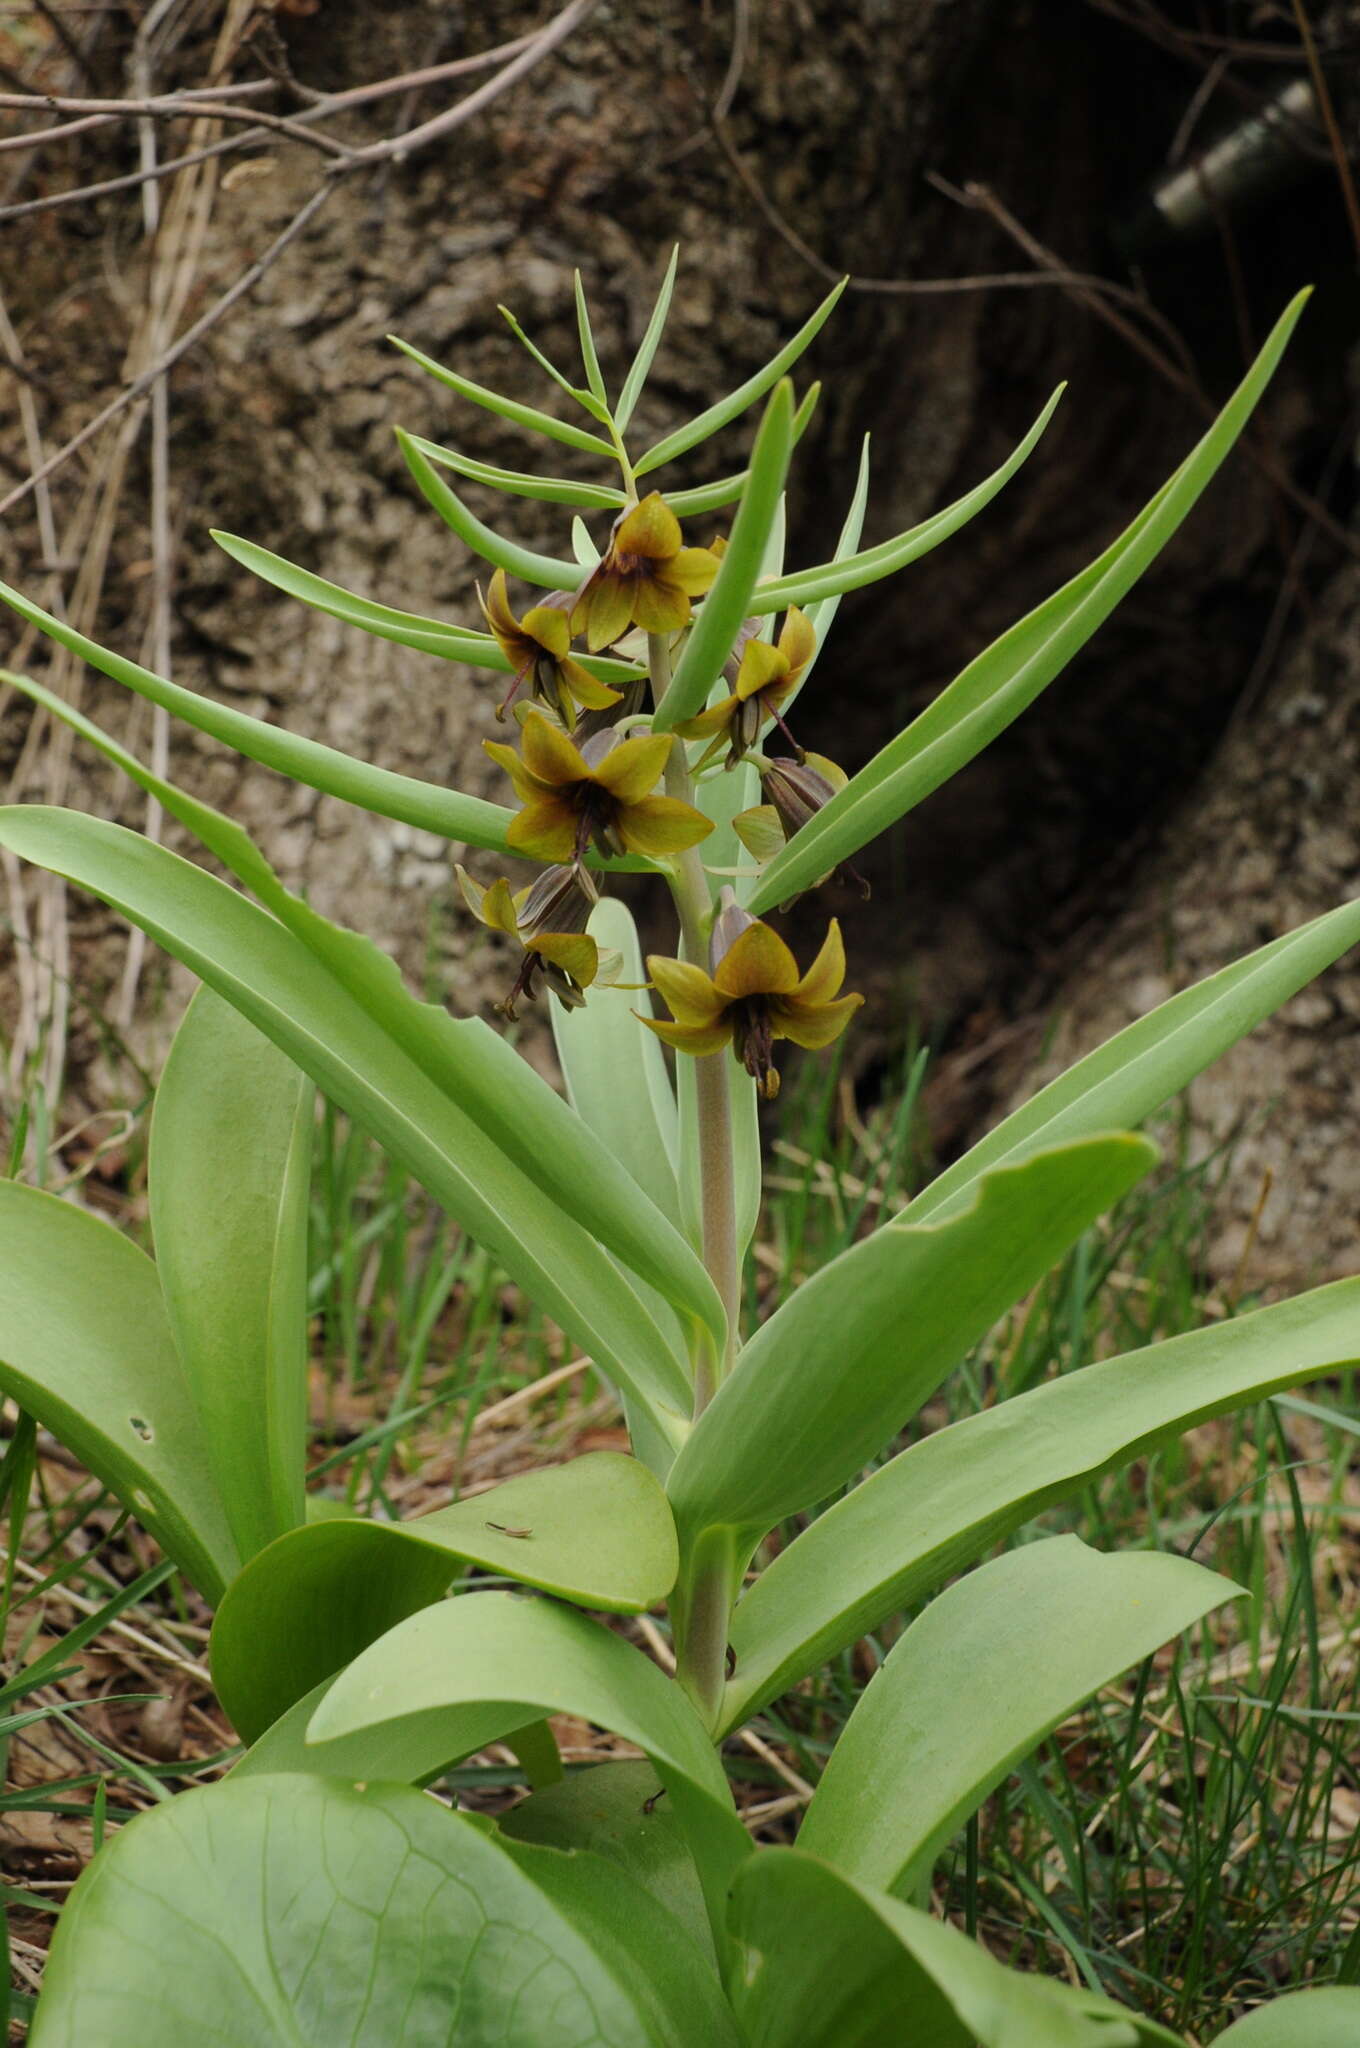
(647, 685)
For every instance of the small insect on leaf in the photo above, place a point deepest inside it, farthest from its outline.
(501, 1530)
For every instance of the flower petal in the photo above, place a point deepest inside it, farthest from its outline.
(574, 952)
(716, 719)
(827, 971)
(657, 606)
(527, 785)
(650, 529)
(586, 688)
(813, 1025)
(605, 611)
(496, 608)
(474, 895)
(547, 623)
(658, 825)
(544, 830)
(634, 767)
(761, 665)
(689, 994)
(498, 908)
(696, 1039)
(693, 570)
(759, 964)
(549, 755)
(760, 831)
(797, 641)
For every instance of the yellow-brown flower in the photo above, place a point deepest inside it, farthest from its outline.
(766, 677)
(646, 578)
(545, 918)
(538, 647)
(597, 794)
(754, 996)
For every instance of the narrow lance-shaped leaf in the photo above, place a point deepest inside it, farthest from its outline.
(320, 1915)
(596, 1531)
(588, 353)
(231, 1139)
(726, 490)
(705, 424)
(272, 978)
(471, 1064)
(508, 408)
(944, 1502)
(85, 1347)
(647, 347)
(408, 629)
(822, 613)
(995, 688)
(530, 1655)
(1153, 1058)
(993, 1666)
(711, 638)
(854, 1352)
(518, 483)
(545, 570)
(853, 571)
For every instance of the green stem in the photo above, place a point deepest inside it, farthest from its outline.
(717, 1188)
(701, 1621)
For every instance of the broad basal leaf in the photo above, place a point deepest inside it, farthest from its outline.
(853, 1353)
(228, 1175)
(85, 1346)
(1328, 2016)
(287, 993)
(596, 1531)
(449, 1664)
(991, 1667)
(826, 1960)
(938, 1506)
(296, 1910)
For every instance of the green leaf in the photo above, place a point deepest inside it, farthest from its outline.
(286, 992)
(707, 423)
(531, 348)
(447, 812)
(944, 1502)
(675, 1983)
(229, 1166)
(588, 353)
(642, 361)
(718, 620)
(508, 408)
(827, 1960)
(472, 1064)
(990, 1668)
(615, 1070)
(853, 571)
(544, 570)
(823, 612)
(533, 1657)
(854, 1352)
(85, 1346)
(1151, 1060)
(292, 1910)
(726, 490)
(612, 1809)
(1327, 2016)
(408, 629)
(1004, 680)
(518, 483)
(597, 1531)
(377, 1756)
